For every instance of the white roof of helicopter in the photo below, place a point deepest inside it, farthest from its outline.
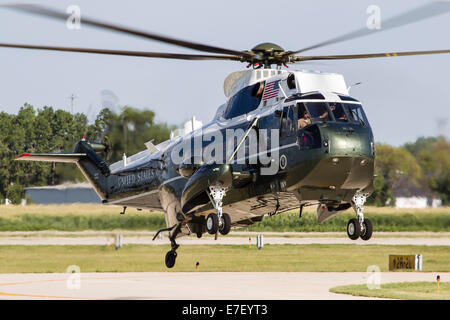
(306, 81)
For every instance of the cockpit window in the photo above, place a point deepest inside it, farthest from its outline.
(245, 101)
(338, 112)
(318, 111)
(356, 113)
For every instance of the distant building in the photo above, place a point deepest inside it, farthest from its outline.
(64, 193)
(411, 202)
(411, 196)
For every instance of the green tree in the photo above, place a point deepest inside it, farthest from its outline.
(393, 164)
(433, 156)
(50, 130)
(129, 130)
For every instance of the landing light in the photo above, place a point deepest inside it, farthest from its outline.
(335, 161)
(363, 162)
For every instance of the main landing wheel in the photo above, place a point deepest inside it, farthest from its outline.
(366, 233)
(353, 229)
(226, 224)
(212, 223)
(171, 257)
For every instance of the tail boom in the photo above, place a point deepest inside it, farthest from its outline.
(91, 165)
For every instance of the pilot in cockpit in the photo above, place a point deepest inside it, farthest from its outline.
(339, 113)
(258, 90)
(304, 121)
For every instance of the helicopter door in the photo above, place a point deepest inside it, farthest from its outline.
(288, 136)
(288, 125)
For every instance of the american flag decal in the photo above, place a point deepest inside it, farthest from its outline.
(271, 90)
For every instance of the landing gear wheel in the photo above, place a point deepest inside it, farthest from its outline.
(226, 224)
(199, 235)
(171, 256)
(212, 223)
(353, 229)
(366, 233)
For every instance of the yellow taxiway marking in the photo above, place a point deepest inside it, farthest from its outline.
(39, 296)
(55, 280)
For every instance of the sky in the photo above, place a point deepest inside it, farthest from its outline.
(404, 97)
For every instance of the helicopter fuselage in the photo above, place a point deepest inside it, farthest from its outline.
(327, 161)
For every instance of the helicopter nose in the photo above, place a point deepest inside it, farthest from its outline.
(348, 141)
(347, 162)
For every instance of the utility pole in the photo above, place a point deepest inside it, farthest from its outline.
(442, 126)
(72, 97)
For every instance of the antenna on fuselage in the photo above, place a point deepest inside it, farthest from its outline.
(353, 85)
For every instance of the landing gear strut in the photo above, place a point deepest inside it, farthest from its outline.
(171, 256)
(360, 227)
(218, 221)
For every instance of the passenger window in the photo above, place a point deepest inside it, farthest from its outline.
(318, 111)
(338, 112)
(287, 121)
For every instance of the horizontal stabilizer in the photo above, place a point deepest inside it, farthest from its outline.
(151, 147)
(52, 157)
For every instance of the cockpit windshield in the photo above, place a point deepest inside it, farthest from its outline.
(313, 112)
(318, 111)
(338, 112)
(356, 113)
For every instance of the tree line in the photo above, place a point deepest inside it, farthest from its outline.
(424, 163)
(50, 130)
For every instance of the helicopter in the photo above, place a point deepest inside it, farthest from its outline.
(283, 140)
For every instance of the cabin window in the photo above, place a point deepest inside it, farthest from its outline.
(287, 121)
(356, 113)
(245, 101)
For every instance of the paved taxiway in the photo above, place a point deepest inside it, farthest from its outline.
(238, 238)
(191, 285)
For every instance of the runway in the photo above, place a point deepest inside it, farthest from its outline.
(104, 238)
(192, 285)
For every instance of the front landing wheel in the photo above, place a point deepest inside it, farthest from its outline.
(353, 229)
(212, 223)
(366, 233)
(171, 257)
(225, 228)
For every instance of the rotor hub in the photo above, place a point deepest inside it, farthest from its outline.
(267, 53)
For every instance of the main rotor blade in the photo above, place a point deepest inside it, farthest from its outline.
(366, 56)
(47, 12)
(125, 52)
(421, 13)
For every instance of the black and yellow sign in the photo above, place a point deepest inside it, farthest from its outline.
(413, 262)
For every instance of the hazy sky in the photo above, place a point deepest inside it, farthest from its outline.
(403, 97)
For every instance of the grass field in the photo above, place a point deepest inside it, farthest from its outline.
(400, 290)
(98, 217)
(218, 258)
